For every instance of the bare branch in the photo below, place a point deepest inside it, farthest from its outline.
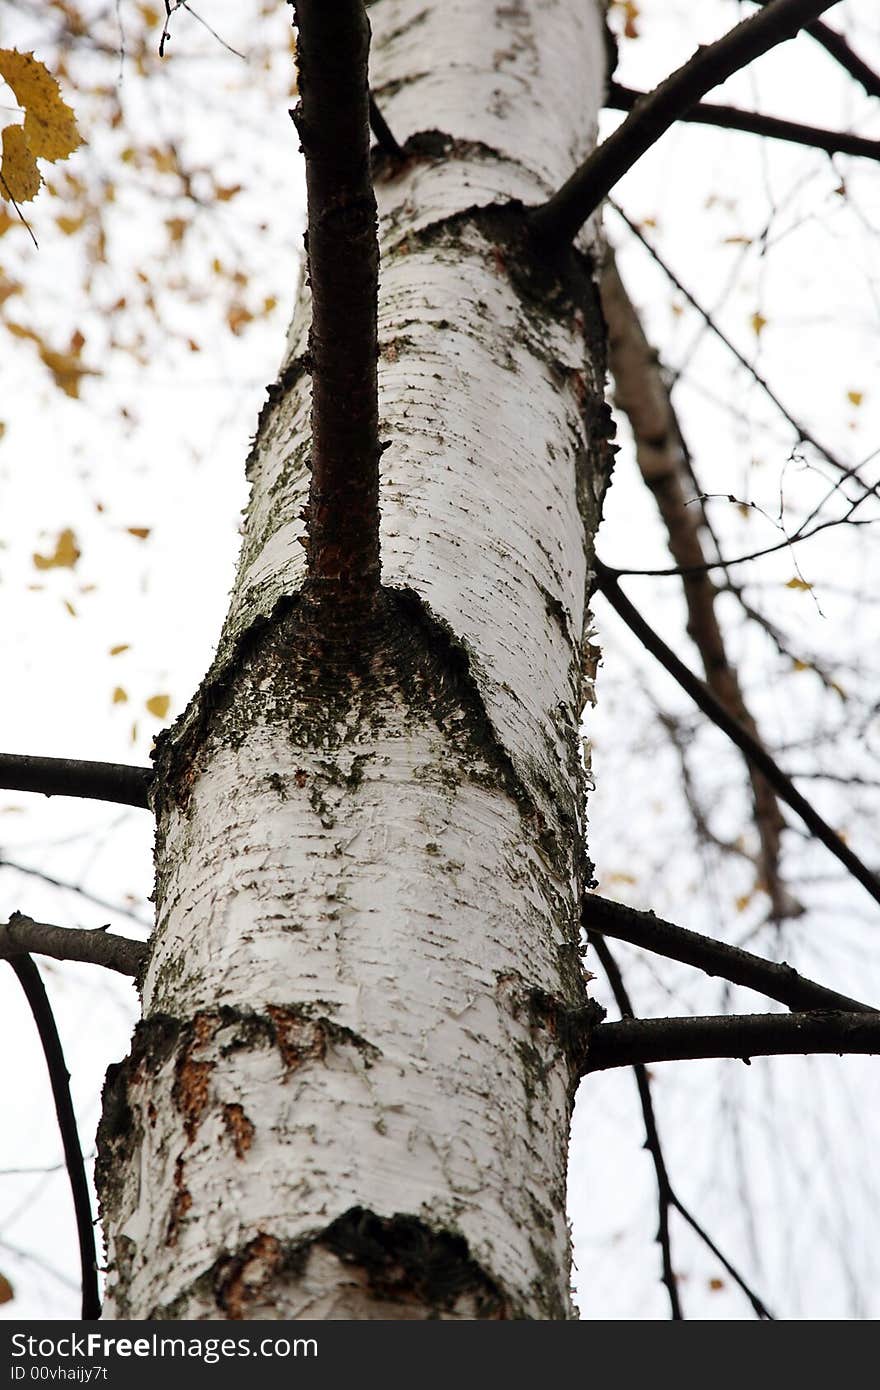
(652, 1136)
(662, 456)
(606, 581)
(129, 786)
(774, 980)
(797, 425)
(559, 220)
(839, 48)
(116, 908)
(666, 1195)
(21, 935)
(754, 123)
(332, 118)
(35, 992)
(385, 138)
(651, 1040)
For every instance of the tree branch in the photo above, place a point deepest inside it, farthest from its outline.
(666, 1195)
(839, 48)
(385, 137)
(129, 786)
(35, 992)
(664, 462)
(332, 118)
(21, 935)
(797, 425)
(559, 220)
(652, 1135)
(606, 581)
(754, 123)
(774, 980)
(650, 1040)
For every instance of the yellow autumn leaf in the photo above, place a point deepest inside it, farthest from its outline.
(66, 367)
(140, 531)
(120, 648)
(69, 606)
(758, 322)
(21, 177)
(855, 397)
(159, 705)
(69, 225)
(120, 697)
(49, 124)
(800, 584)
(64, 556)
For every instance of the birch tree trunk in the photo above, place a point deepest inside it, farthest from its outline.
(364, 1011)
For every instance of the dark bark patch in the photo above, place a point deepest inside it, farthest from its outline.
(403, 1260)
(193, 1076)
(239, 1128)
(240, 1280)
(180, 1205)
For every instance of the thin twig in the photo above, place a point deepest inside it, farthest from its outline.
(35, 992)
(702, 696)
(755, 123)
(800, 429)
(641, 392)
(332, 118)
(558, 220)
(652, 1136)
(21, 935)
(129, 786)
(666, 1195)
(385, 137)
(775, 980)
(742, 1036)
(116, 908)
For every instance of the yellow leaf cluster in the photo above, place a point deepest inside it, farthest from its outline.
(66, 367)
(49, 129)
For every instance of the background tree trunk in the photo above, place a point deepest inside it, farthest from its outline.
(349, 1095)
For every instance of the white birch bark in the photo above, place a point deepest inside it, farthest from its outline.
(350, 1094)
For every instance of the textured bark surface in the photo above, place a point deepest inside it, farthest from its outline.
(364, 1010)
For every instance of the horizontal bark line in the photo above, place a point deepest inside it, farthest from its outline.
(776, 980)
(743, 1036)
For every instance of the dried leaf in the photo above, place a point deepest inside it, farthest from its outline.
(159, 705)
(120, 696)
(800, 584)
(140, 531)
(120, 648)
(759, 323)
(7, 1293)
(64, 556)
(49, 124)
(21, 177)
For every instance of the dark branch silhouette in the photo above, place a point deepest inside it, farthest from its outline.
(839, 48)
(666, 1195)
(774, 980)
(35, 992)
(332, 118)
(606, 581)
(129, 786)
(754, 123)
(742, 1036)
(21, 935)
(559, 219)
(385, 138)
